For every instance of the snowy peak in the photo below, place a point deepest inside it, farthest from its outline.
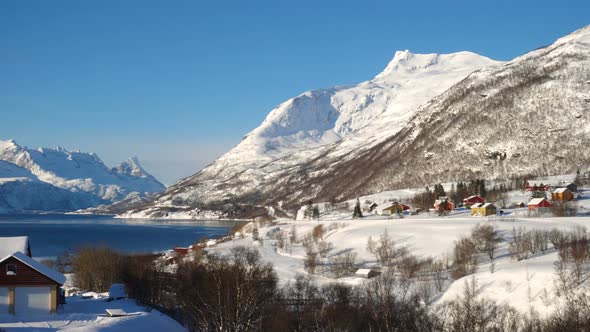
(131, 167)
(407, 63)
(81, 172)
(581, 36)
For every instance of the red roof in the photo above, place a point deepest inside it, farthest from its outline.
(539, 202)
(181, 250)
(473, 199)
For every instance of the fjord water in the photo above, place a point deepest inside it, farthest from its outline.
(52, 234)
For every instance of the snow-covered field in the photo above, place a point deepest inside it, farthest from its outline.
(88, 315)
(526, 284)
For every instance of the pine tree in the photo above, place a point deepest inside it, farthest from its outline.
(315, 212)
(308, 214)
(357, 213)
(255, 235)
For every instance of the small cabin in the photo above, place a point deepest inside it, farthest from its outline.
(562, 195)
(474, 199)
(367, 273)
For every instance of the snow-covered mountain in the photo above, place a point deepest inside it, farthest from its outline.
(330, 124)
(425, 118)
(59, 180)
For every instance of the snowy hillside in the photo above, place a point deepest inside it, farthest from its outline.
(60, 180)
(528, 117)
(332, 125)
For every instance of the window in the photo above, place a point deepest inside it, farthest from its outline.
(11, 269)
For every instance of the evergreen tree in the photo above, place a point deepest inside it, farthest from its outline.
(255, 235)
(315, 212)
(578, 179)
(357, 213)
(482, 188)
(308, 214)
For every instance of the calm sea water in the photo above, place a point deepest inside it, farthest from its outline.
(51, 235)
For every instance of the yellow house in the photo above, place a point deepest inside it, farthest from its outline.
(483, 210)
(475, 209)
(562, 195)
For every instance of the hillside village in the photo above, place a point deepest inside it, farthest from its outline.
(344, 244)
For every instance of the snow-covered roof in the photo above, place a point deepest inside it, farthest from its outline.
(8, 245)
(560, 190)
(476, 205)
(472, 197)
(536, 201)
(363, 271)
(487, 204)
(46, 271)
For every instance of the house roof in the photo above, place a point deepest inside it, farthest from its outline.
(561, 190)
(487, 204)
(536, 201)
(8, 245)
(476, 205)
(472, 197)
(44, 270)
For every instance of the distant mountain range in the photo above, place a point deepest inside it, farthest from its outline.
(59, 180)
(426, 118)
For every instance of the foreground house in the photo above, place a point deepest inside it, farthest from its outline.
(562, 195)
(27, 287)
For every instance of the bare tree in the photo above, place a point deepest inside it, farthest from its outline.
(226, 293)
(324, 247)
(486, 238)
(385, 249)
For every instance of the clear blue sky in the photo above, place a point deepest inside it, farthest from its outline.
(177, 83)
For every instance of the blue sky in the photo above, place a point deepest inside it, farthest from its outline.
(177, 83)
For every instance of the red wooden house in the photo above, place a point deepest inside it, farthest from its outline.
(473, 200)
(539, 205)
(181, 250)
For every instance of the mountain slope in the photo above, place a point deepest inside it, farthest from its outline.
(20, 191)
(61, 180)
(529, 117)
(333, 125)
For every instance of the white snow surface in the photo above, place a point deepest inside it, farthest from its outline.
(88, 315)
(522, 284)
